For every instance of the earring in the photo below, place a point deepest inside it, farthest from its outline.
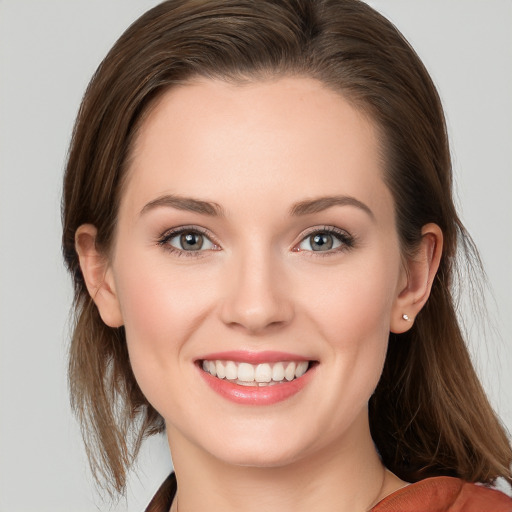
(406, 317)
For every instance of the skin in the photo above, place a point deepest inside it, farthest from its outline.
(256, 150)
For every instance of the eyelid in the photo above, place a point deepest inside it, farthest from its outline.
(171, 233)
(347, 240)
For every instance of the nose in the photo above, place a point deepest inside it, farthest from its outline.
(257, 298)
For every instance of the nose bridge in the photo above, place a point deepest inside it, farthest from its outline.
(256, 298)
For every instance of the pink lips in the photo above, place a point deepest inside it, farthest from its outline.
(254, 395)
(243, 356)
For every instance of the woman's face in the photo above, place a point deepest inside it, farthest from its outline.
(256, 238)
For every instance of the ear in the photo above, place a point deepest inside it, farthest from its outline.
(419, 273)
(98, 276)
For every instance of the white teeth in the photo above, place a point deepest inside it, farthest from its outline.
(220, 369)
(231, 371)
(264, 374)
(289, 371)
(301, 369)
(244, 383)
(246, 372)
(278, 372)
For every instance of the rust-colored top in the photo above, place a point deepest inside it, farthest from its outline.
(437, 494)
(445, 494)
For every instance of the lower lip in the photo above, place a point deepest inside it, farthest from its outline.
(256, 395)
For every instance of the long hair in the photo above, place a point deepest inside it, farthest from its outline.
(428, 415)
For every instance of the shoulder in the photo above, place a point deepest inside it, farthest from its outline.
(162, 500)
(445, 494)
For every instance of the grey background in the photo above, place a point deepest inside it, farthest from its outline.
(48, 51)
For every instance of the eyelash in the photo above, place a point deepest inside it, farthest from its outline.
(346, 240)
(164, 239)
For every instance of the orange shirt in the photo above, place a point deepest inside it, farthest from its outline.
(437, 494)
(445, 494)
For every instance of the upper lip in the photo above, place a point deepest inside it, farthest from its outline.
(245, 356)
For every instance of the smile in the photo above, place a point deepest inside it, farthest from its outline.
(260, 375)
(256, 378)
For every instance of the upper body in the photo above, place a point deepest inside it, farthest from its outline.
(436, 494)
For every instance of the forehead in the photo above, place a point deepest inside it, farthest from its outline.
(291, 135)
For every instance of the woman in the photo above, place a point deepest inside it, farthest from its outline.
(259, 223)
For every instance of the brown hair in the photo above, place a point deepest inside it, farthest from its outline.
(429, 415)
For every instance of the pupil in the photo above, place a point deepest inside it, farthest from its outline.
(191, 241)
(321, 242)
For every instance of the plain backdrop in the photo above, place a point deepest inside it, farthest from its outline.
(48, 51)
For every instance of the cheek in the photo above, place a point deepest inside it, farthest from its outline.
(158, 300)
(354, 315)
(161, 309)
(355, 306)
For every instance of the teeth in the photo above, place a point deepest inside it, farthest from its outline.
(220, 370)
(231, 371)
(246, 372)
(301, 369)
(265, 374)
(289, 371)
(278, 372)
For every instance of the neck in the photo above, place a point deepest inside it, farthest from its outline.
(342, 478)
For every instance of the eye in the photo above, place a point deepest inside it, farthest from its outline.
(326, 240)
(187, 240)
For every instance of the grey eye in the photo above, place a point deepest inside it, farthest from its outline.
(320, 241)
(190, 241)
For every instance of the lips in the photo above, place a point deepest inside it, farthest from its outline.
(263, 378)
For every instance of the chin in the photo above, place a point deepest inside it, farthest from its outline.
(260, 459)
(260, 451)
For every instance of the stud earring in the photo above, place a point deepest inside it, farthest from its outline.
(406, 317)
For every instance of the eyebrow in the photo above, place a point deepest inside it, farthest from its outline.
(184, 203)
(323, 203)
(215, 210)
